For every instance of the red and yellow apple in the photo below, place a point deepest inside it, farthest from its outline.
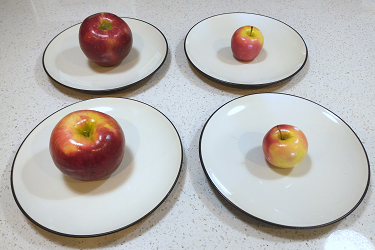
(285, 146)
(246, 43)
(87, 145)
(105, 39)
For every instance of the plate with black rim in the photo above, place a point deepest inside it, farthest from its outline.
(208, 48)
(326, 187)
(65, 63)
(68, 207)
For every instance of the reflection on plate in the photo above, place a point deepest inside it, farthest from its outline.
(64, 61)
(68, 207)
(207, 46)
(326, 187)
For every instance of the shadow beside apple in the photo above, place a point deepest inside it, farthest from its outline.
(120, 176)
(75, 56)
(226, 56)
(257, 164)
(43, 179)
(72, 61)
(250, 145)
(129, 62)
(224, 53)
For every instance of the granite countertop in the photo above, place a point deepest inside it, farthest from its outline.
(339, 75)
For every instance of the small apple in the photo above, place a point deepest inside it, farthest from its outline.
(246, 43)
(105, 39)
(87, 145)
(285, 146)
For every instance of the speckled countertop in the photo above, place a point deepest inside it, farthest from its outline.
(339, 74)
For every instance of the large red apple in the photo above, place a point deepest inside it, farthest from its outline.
(87, 145)
(285, 146)
(246, 43)
(105, 39)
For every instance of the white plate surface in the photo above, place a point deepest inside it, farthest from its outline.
(64, 61)
(74, 208)
(327, 186)
(207, 46)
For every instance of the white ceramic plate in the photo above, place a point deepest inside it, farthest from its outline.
(148, 173)
(207, 46)
(327, 186)
(65, 63)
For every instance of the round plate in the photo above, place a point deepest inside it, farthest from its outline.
(326, 187)
(208, 48)
(64, 61)
(59, 204)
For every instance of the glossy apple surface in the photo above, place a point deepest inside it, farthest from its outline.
(105, 39)
(246, 43)
(285, 146)
(87, 145)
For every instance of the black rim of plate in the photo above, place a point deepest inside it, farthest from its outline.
(112, 231)
(237, 84)
(270, 222)
(104, 91)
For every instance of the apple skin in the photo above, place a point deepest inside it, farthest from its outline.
(105, 39)
(246, 43)
(87, 145)
(286, 151)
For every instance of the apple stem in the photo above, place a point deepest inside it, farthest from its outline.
(105, 25)
(86, 133)
(281, 135)
(251, 31)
